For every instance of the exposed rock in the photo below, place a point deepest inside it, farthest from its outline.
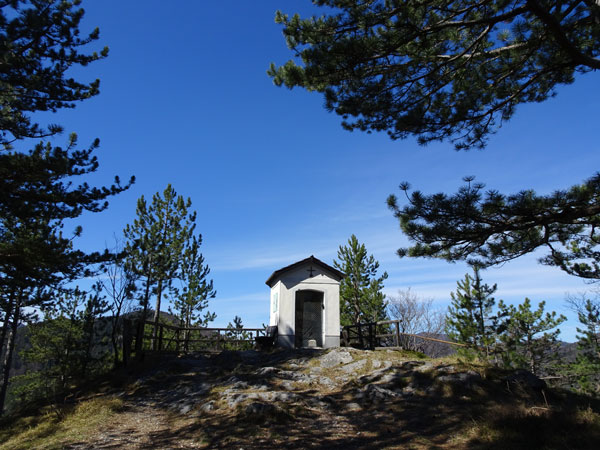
(411, 365)
(424, 367)
(408, 391)
(324, 381)
(353, 406)
(393, 378)
(447, 368)
(237, 399)
(285, 397)
(298, 362)
(287, 385)
(267, 371)
(202, 388)
(378, 374)
(239, 385)
(208, 406)
(276, 380)
(232, 380)
(186, 408)
(386, 365)
(375, 392)
(335, 357)
(355, 366)
(465, 378)
(316, 403)
(296, 376)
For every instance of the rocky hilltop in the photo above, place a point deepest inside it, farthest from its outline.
(341, 398)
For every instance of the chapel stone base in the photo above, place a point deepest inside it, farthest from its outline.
(288, 341)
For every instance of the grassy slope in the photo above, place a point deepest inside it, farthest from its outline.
(53, 429)
(436, 413)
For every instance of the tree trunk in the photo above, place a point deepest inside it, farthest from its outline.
(127, 338)
(113, 338)
(10, 345)
(156, 314)
(531, 354)
(482, 331)
(188, 324)
(5, 326)
(356, 308)
(3, 334)
(89, 357)
(139, 341)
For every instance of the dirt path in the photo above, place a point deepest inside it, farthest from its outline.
(342, 399)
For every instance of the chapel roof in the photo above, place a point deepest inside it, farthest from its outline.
(310, 260)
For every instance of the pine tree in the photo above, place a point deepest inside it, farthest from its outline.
(235, 331)
(587, 365)
(19, 301)
(455, 70)
(469, 320)
(41, 41)
(66, 344)
(119, 285)
(196, 289)
(490, 228)
(156, 242)
(444, 69)
(191, 298)
(361, 296)
(522, 345)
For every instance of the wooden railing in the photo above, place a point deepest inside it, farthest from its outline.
(385, 333)
(139, 338)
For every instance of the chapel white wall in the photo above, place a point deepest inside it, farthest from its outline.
(298, 279)
(275, 304)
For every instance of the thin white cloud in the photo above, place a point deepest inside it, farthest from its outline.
(243, 299)
(241, 262)
(342, 216)
(255, 259)
(252, 308)
(519, 279)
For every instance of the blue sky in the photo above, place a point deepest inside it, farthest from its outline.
(185, 100)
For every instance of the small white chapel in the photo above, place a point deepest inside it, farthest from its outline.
(305, 304)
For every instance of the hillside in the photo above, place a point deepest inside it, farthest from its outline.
(343, 398)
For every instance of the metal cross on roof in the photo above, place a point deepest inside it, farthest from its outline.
(311, 270)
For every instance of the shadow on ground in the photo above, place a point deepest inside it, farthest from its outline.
(292, 399)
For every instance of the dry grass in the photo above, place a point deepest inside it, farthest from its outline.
(437, 415)
(53, 429)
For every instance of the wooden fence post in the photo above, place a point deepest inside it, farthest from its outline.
(160, 338)
(139, 340)
(397, 334)
(127, 340)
